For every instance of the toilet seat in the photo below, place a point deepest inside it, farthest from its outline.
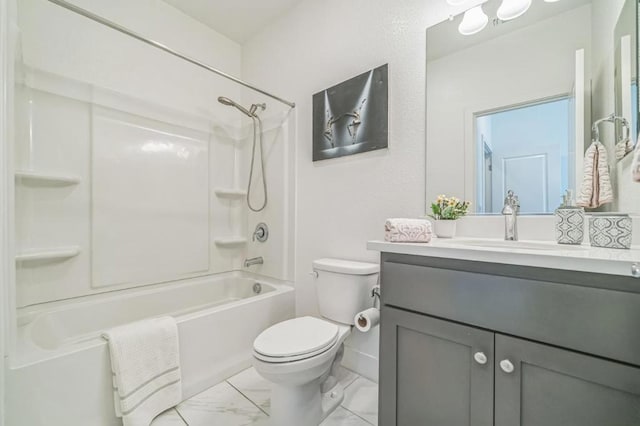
(295, 339)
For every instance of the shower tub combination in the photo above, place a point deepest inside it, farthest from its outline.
(61, 375)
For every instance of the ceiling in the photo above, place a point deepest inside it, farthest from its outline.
(236, 19)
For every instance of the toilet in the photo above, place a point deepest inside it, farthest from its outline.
(301, 356)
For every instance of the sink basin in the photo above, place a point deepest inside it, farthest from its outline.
(523, 245)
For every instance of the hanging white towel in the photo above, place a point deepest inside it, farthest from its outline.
(407, 230)
(635, 163)
(146, 369)
(596, 187)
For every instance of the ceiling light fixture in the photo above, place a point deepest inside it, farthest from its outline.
(456, 2)
(551, 1)
(511, 9)
(473, 21)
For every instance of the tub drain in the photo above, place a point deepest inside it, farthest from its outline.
(257, 288)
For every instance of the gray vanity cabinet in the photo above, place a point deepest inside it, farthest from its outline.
(555, 387)
(474, 344)
(436, 380)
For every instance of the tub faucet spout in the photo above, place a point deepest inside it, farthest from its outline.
(253, 261)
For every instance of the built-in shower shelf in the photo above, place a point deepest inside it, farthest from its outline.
(46, 178)
(230, 193)
(56, 253)
(230, 241)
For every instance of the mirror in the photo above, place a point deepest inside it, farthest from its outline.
(511, 106)
(626, 73)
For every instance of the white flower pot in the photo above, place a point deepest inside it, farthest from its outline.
(445, 228)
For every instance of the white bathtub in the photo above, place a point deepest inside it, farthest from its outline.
(60, 374)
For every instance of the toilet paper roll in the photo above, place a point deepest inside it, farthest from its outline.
(367, 319)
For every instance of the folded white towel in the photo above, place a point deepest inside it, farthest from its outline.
(146, 369)
(596, 185)
(407, 231)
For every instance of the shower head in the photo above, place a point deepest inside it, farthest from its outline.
(226, 101)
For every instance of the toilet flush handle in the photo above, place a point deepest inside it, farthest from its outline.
(314, 274)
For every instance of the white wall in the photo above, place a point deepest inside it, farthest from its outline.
(342, 203)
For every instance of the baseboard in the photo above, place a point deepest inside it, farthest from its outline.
(361, 363)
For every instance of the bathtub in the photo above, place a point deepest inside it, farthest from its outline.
(60, 373)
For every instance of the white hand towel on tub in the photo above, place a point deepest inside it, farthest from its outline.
(146, 369)
(407, 231)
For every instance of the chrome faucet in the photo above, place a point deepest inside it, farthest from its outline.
(253, 261)
(510, 212)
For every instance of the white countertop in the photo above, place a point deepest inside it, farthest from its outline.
(525, 253)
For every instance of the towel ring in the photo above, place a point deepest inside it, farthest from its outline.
(595, 130)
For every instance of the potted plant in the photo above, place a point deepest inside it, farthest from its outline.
(445, 211)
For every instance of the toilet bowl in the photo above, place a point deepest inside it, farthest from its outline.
(301, 356)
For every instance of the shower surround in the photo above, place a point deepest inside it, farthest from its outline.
(128, 184)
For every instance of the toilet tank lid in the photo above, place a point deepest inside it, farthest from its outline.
(346, 266)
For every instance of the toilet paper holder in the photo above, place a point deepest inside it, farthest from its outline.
(375, 293)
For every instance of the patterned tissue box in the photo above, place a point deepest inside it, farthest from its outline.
(610, 230)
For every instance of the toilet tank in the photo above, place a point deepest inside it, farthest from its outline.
(344, 287)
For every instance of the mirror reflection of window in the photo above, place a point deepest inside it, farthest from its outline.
(531, 162)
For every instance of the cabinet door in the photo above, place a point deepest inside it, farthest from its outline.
(434, 372)
(555, 387)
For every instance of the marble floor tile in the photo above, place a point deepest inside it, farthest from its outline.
(346, 377)
(221, 405)
(258, 390)
(168, 418)
(343, 417)
(254, 387)
(361, 398)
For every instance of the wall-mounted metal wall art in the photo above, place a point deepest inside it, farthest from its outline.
(353, 116)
